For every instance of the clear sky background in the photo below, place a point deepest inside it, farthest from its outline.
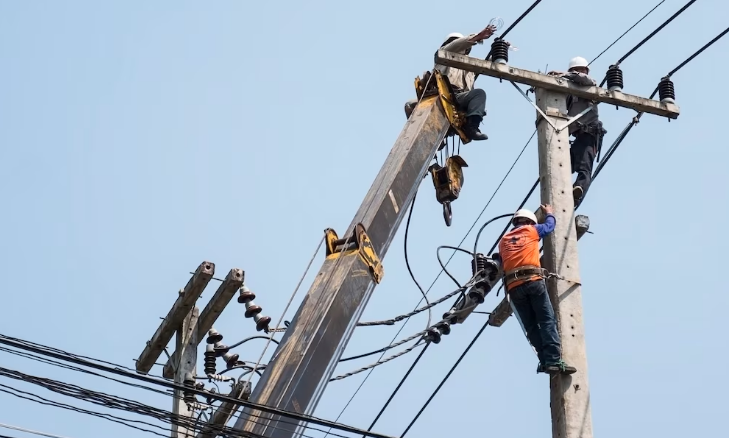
(140, 138)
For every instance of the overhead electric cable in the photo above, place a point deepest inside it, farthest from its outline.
(637, 117)
(651, 35)
(45, 351)
(626, 32)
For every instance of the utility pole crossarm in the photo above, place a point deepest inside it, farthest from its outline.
(172, 322)
(232, 282)
(553, 83)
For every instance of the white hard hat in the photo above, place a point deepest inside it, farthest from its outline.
(525, 214)
(454, 35)
(578, 61)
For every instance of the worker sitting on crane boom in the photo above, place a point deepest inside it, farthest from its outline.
(471, 100)
(527, 290)
(587, 130)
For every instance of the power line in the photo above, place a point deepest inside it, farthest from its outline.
(33, 432)
(651, 35)
(45, 351)
(626, 32)
(637, 117)
(521, 17)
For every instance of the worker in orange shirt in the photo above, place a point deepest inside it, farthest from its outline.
(527, 290)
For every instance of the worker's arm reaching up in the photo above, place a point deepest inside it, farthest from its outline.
(549, 222)
(463, 44)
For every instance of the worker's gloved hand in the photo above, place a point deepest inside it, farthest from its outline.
(547, 209)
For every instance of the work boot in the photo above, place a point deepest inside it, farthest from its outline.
(540, 368)
(577, 193)
(471, 128)
(559, 368)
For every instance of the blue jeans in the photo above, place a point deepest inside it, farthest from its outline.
(531, 301)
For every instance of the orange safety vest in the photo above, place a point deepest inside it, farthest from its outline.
(520, 247)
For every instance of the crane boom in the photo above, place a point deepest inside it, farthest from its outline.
(312, 345)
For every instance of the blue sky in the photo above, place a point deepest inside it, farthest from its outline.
(140, 138)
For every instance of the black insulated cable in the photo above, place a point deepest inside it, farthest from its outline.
(636, 119)
(626, 32)
(651, 35)
(521, 17)
(397, 388)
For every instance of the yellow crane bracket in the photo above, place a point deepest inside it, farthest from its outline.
(427, 87)
(448, 181)
(358, 242)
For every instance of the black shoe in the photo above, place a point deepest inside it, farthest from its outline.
(559, 368)
(471, 129)
(577, 193)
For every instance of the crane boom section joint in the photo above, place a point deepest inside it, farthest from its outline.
(360, 244)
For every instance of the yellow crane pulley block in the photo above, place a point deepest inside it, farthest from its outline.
(448, 181)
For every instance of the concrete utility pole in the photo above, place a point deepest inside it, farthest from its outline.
(190, 325)
(185, 361)
(569, 394)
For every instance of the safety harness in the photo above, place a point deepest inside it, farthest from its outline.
(525, 272)
(596, 130)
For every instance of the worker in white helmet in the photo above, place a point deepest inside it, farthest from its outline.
(470, 100)
(587, 130)
(525, 286)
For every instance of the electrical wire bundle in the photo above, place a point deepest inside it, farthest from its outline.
(84, 364)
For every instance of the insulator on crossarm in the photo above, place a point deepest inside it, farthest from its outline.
(188, 396)
(666, 92)
(262, 322)
(231, 359)
(500, 51)
(220, 349)
(614, 78)
(209, 360)
(213, 336)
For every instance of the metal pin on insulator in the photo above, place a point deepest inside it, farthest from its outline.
(213, 336)
(188, 396)
(209, 360)
(666, 92)
(500, 51)
(614, 78)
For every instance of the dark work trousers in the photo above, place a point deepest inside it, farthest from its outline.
(473, 103)
(582, 156)
(531, 302)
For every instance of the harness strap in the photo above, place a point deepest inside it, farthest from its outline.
(522, 273)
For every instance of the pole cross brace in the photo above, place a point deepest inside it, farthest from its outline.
(553, 113)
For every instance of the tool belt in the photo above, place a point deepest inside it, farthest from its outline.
(522, 273)
(596, 130)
